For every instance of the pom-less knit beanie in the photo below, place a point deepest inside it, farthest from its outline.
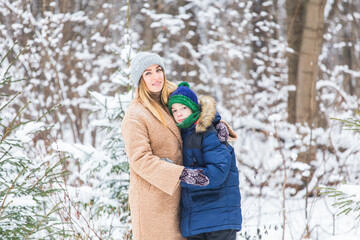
(140, 62)
(184, 95)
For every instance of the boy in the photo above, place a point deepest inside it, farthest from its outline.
(214, 211)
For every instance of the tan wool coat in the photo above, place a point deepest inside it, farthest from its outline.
(154, 193)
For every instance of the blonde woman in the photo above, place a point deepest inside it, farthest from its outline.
(154, 147)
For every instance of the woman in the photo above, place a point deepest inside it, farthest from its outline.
(154, 147)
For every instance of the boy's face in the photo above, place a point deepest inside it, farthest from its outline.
(180, 112)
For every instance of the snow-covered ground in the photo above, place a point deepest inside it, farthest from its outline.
(263, 219)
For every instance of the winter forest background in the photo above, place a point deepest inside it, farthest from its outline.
(280, 70)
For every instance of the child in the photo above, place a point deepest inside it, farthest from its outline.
(214, 211)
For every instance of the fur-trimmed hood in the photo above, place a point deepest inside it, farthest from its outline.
(208, 112)
(209, 115)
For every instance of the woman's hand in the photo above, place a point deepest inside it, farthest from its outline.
(194, 177)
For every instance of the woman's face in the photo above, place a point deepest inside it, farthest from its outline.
(154, 78)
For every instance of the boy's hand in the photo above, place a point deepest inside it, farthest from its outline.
(223, 131)
(194, 177)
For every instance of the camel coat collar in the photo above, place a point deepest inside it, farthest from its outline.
(172, 125)
(170, 122)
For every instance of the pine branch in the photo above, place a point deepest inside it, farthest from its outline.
(7, 193)
(45, 217)
(9, 128)
(16, 58)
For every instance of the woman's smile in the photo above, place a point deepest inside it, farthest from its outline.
(157, 83)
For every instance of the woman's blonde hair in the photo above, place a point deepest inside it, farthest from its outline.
(153, 106)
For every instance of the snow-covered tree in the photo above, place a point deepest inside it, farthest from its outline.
(347, 195)
(29, 181)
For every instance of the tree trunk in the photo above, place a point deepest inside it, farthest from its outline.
(308, 62)
(261, 36)
(305, 21)
(351, 83)
(307, 71)
(294, 22)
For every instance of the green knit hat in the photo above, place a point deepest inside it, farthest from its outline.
(184, 95)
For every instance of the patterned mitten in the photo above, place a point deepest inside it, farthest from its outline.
(223, 131)
(194, 177)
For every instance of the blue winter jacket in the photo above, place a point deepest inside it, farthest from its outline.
(216, 206)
